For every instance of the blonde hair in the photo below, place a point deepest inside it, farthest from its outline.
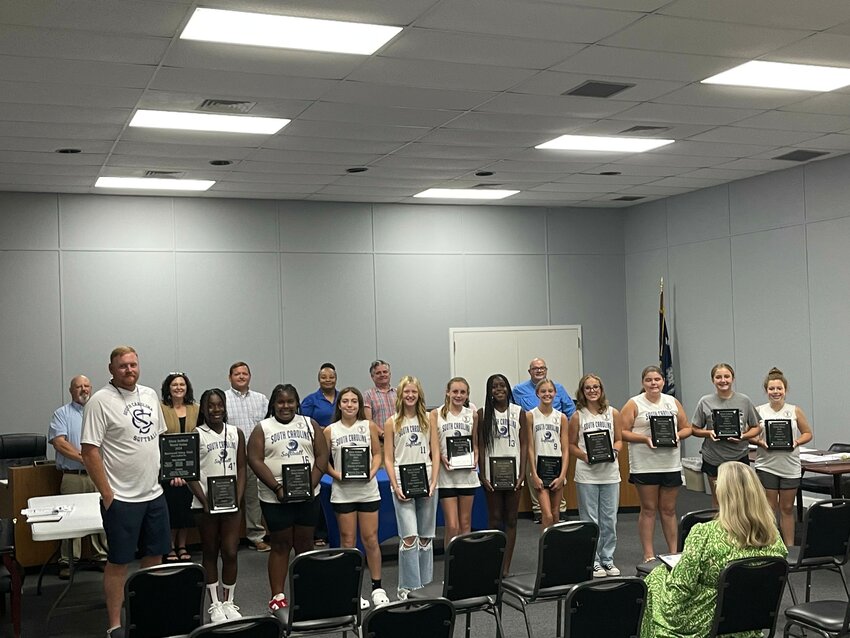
(445, 409)
(744, 512)
(120, 351)
(421, 412)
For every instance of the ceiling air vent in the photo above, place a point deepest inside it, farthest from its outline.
(165, 174)
(644, 129)
(486, 185)
(595, 88)
(226, 106)
(628, 198)
(801, 156)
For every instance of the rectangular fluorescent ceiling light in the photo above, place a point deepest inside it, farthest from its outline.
(598, 143)
(154, 184)
(465, 193)
(286, 32)
(780, 75)
(186, 121)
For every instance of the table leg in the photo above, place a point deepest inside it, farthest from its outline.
(836, 486)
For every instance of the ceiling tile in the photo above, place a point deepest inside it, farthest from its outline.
(788, 121)
(435, 74)
(821, 48)
(554, 105)
(80, 45)
(816, 16)
(249, 85)
(739, 135)
(381, 115)
(732, 97)
(683, 114)
(554, 83)
(350, 92)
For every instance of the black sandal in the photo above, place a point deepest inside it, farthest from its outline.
(171, 557)
(183, 555)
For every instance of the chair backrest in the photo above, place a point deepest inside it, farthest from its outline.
(839, 447)
(247, 627)
(325, 583)
(826, 530)
(612, 608)
(164, 600)
(749, 593)
(421, 618)
(565, 554)
(690, 519)
(21, 449)
(473, 565)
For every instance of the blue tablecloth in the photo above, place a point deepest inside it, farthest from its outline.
(387, 527)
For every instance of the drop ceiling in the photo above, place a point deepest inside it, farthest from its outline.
(468, 86)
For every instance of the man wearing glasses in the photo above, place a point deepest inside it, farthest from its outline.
(526, 397)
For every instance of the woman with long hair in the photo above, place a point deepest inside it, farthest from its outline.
(681, 602)
(502, 434)
(548, 444)
(597, 484)
(779, 469)
(356, 499)
(656, 472)
(222, 453)
(457, 481)
(411, 442)
(286, 437)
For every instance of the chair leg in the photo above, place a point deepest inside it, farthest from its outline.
(525, 616)
(468, 618)
(558, 621)
(808, 585)
(500, 633)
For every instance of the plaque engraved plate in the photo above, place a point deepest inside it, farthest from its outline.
(221, 494)
(727, 423)
(503, 472)
(355, 463)
(414, 480)
(778, 434)
(297, 482)
(662, 429)
(548, 468)
(179, 456)
(460, 452)
(597, 443)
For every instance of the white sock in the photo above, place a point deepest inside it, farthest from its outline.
(227, 592)
(212, 590)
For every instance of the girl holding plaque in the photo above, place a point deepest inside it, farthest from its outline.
(714, 413)
(597, 472)
(222, 454)
(778, 454)
(289, 455)
(410, 445)
(548, 452)
(457, 426)
(355, 450)
(502, 439)
(656, 471)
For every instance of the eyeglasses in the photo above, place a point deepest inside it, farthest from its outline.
(538, 369)
(592, 388)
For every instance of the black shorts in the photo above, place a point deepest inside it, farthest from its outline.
(773, 482)
(129, 526)
(662, 479)
(711, 470)
(347, 508)
(281, 516)
(454, 492)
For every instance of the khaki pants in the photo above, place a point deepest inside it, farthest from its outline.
(80, 484)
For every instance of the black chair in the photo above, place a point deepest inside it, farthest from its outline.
(686, 523)
(164, 600)
(11, 574)
(324, 592)
(247, 627)
(426, 618)
(473, 576)
(829, 618)
(565, 556)
(612, 608)
(21, 449)
(749, 593)
(825, 543)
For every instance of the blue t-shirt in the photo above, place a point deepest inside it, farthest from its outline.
(67, 421)
(316, 406)
(525, 396)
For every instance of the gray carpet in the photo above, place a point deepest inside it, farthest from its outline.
(252, 587)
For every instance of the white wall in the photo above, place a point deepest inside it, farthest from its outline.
(757, 273)
(195, 284)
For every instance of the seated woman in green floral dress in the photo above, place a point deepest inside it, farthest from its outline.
(681, 602)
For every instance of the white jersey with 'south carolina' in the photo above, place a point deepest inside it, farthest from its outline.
(455, 425)
(356, 491)
(217, 454)
(411, 445)
(285, 444)
(599, 473)
(547, 433)
(506, 437)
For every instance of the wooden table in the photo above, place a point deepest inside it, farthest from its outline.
(835, 469)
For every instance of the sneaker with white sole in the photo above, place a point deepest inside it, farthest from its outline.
(364, 604)
(379, 597)
(230, 610)
(611, 569)
(278, 602)
(598, 572)
(402, 592)
(217, 613)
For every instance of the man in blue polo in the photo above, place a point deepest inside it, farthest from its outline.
(526, 396)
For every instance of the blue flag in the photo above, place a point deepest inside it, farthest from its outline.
(664, 354)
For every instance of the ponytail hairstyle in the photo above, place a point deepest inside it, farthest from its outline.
(447, 400)
(775, 374)
(717, 367)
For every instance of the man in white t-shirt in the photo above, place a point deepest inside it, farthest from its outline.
(120, 448)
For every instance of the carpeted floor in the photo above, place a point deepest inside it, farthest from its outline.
(252, 589)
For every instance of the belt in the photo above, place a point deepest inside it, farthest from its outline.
(74, 472)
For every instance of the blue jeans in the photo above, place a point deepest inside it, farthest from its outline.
(598, 503)
(417, 518)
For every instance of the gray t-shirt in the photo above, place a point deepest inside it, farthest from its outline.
(716, 452)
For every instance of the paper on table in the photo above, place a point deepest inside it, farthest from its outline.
(824, 458)
(671, 560)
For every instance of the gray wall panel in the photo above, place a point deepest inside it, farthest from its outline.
(30, 221)
(504, 230)
(115, 222)
(827, 189)
(506, 290)
(645, 227)
(325, 227)
(426, 229)
(574, 231)
(768, 201)
(698, 216)
(227, 225)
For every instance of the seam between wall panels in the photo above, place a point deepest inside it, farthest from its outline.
(374, 275)
(548, 282)
(809, 299)
(731, 273)
(281, 318)
(60, 264)
(179, 365)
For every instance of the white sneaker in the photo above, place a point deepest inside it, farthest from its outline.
(364, 604)
(379, 597)
(401, 593)
(598, 572)
(611, 569)
(217, 613)
(230, 610)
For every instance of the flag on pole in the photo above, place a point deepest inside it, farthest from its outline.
(664, 354)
